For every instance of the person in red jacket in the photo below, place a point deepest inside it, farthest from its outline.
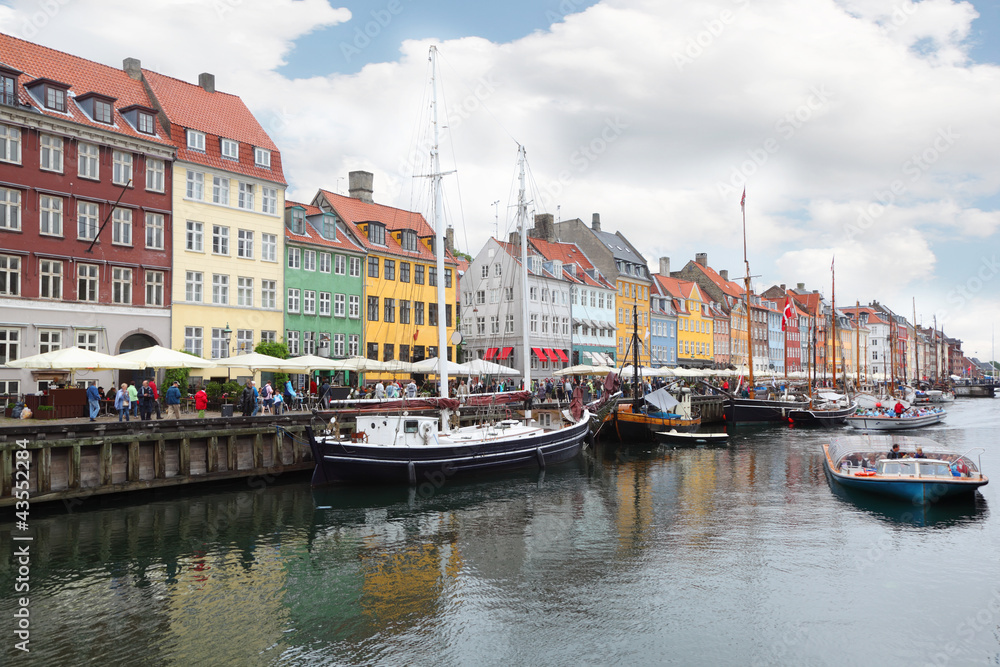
(201, 402)
(898, 409)
(156, 398)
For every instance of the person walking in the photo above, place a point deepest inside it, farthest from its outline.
(324, 394)
(267, 396)
(246, 399)
(94, 400)
(289, 395)
(133, 399)
(201, 402)
(174, 401)
(122, 403)
(145, 401)
(156, 398)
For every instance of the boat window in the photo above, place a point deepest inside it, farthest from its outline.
(935, 468)
(898, 468)
(410, 426)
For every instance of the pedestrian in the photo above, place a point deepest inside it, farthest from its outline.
(256, 399)
(174, 401)
(324, 394)
(289, 394)
(379, 390)
(201, 402)
(145, 401)
(94, 400)
(898, 409)
(133, 398)
(122, 403)
(267, 395)
(156, 398)
(246, 399)
(411, 389)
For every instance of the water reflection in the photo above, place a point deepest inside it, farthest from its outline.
(953, 512)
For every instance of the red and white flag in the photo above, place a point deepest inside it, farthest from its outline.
(786, 316)
(743, 201)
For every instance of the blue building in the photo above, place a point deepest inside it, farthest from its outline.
(663, 328)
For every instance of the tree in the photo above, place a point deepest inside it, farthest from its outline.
(274, 349)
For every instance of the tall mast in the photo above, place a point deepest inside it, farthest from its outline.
(916, 349)
(833, 321)
(439, 238)
(857, 350)
(636, 391)
(522, 215)
(746, 283)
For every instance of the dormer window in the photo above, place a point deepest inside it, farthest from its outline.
(102, 111)
(298, 221)
(408, 240)
(8, 86)
(146, 123)
(376, 233)
(329, 227)
(55, 99)
(196, 140)
(143, 119)
(230, 149)
(262, 157)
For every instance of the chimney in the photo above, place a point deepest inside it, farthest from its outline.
(133, 67)
(783, 287)
(724, 274)
(359, 185)
(800, 287)
(449, 239)
(514, 239)
(665, 266)
(207, 82)
(595, 223)
(544, 227)
(701, 258)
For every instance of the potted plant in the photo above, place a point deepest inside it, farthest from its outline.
(9, 408)
(45, 412)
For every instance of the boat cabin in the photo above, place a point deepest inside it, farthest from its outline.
(913, 468)
(396, 430)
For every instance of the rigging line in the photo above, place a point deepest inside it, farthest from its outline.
(479, 98)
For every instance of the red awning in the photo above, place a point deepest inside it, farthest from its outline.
(504, 353)
(490, 353)
(562, 356)
(538, 353)
(551, 355)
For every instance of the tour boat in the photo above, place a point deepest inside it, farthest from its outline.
(419, 449)
(862, 462)
(886, 422)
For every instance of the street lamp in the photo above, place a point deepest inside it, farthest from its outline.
(228, 333)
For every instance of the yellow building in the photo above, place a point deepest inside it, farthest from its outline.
(694, 321)
(633, 297)
(399, 304)
(228, 207)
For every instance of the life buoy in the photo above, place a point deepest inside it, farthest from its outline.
(425, 432)
(865, 473)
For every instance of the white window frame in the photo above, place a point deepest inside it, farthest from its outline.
(244, 196)
(88, 283)
(324, 262)
(87, 220)
(121, 226)
(121, 285)
(244, 291)
(10, 144)
(229, 149)
(309, 260)
(294, 258)
(196, 140)
(269, 247)
(244, 243)
(155, 229)
(339, 305)
(88, 161)
(269, 200)
(194, 340)
(50, 215)
(50, 279)
(354, 307)
(49, 340)
(194, 286)
(220, 190)
(339, 265)
(87, 340)
(308, 302)
(356, 267)
(262, 157)
(154, 288)
(324, 304)
(220, 289)
(292, 301)
(155, 170)
(10, 209)
(220, 240)
(51, 155)
(121, 169)
(195, 188)
(194, 240)
(269, 294)
(10, 272)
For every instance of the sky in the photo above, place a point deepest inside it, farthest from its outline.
(864, 131)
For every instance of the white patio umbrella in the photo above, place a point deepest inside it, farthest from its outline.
(255, 361)
(358, 365)
(74, 359)
(430, 367)
(579, 369)
(157, 356)
(483, 367)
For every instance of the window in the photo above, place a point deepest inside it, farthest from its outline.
(294, 258)
(404, 272)
(154, 231)
(376, 233)
(230, 149)
(508, 325)
(338, 345)
(50, 274)
(432, 314)
(292, 303)
(262, 157)
(494, 324)
(121, 285)
(50, 215)
(373, 309)
(353, 345)
(195, 185)
(480, 297)
(196, 140)
(220, 240)
(121, 172)
(389, 314)
(87, 340)
(292, 339)
(338, 305)
(154, 288)
(10, 275)
(268, 336)
(269, 247)
(373, 267)
(355, 267)
(485, 271)
(354, 307)
(309, 260)
(418, 274)
(193, 286)
(268, 200)
(49, 340)
(309, 302)
(447, 278)
(269, 294)
(10, 144)
(154, 175)
(193, 340)
(220, 344)
(308, 342)
(121, 226)
(102, 111)
(244, 244)
(372, 351)
(220, 190)
(432, 276)
(339, 265)
(86, 282)
(388, 351)
(418, 313)
(390, 269)
(533, 320)
(195, 236)
(404, 311)
(324, 304)
(146, 124)
(50, 153)
(245, 196)
(10, 209)
(55, 98)
(244, 292)
(220, 289)
(480, 325)
(324, 262)
(408, 240)
(244, 341)
(545, 323)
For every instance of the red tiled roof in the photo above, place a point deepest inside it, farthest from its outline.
(343, 242)
(354, 211)
(83, 76)
(728, 286)
(217, 114)
(677, 288)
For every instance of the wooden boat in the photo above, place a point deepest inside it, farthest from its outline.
(654, 415)
(675, 437)
(862, 463)
(833, 411)
(749, 410)
(908, 420)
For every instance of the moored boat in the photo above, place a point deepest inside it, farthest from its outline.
(675, 437)
(833, 411)
(910, 418)
(748, 410)
(927, 472)
(656, 414)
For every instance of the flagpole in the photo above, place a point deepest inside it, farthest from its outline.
(743, 208)
(833, 319)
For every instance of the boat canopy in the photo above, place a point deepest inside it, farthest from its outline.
(661, 399)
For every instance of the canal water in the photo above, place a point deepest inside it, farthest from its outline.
(630, 555)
